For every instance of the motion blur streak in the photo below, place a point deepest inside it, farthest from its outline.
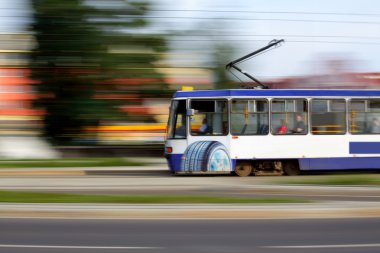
(93, 73)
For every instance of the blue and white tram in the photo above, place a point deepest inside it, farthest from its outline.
(252, 131)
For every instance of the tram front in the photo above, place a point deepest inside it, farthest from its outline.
(197, 136)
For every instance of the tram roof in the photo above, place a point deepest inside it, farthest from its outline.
(277, 93)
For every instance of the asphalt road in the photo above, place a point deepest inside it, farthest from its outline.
(151, 236)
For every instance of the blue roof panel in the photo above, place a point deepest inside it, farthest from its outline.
(277, 93)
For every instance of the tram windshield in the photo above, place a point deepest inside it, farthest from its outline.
(177, 120)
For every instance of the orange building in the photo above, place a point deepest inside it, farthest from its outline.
(16, 93)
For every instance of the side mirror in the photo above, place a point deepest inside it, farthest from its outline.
(190, 112)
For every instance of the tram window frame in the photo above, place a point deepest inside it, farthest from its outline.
(367, 111)
(275, 127)
(264, 128)
(329, 110)
(226, 126)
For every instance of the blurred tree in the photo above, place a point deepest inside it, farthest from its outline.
(88, 61)
(223, 54)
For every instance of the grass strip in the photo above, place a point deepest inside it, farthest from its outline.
(42, 197)
(337, 180)
(68, 162)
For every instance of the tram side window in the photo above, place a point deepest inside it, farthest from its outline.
(177, 120)
(289, 116)
(364, 116)
(210, 117)
(249, 117)
(328, 116)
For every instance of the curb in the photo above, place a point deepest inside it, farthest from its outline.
(210, 211)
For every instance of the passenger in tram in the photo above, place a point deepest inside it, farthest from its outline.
(283, 128)
(205, 129)
(375, 126)
(300, 127)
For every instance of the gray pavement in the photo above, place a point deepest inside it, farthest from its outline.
(166, 184)
(332, 201)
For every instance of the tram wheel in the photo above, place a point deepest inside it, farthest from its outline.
(291, 168)
(243, 169)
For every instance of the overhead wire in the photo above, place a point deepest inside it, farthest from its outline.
(288, 41)
(270, 12)
(262, 19)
